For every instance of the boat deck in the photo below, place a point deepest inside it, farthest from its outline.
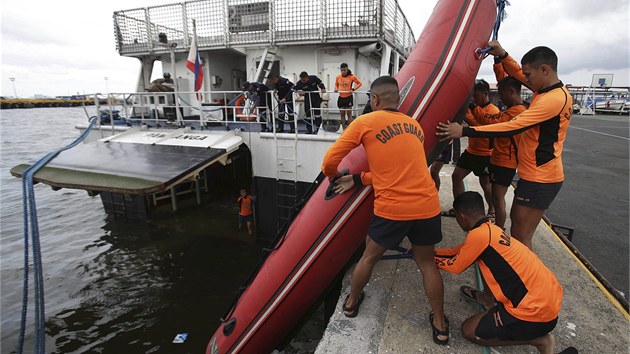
(137, 161)
(394, 316)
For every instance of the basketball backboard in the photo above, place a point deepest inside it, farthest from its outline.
(602, 80)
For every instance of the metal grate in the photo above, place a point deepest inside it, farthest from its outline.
(223, 23)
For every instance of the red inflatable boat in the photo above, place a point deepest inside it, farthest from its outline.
(435, 83)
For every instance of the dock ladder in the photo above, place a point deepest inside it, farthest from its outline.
(286, 177)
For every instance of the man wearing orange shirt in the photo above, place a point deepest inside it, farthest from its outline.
(476, 157)
(343, 85)
(503, 159)
(542, 128)
(246, 212)
(528, 294)
(406, 202)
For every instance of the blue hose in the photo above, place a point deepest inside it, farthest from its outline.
(29, 210)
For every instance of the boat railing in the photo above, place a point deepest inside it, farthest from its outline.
(161, 109)
(227, 23)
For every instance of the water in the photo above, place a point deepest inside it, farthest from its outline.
(111, 285)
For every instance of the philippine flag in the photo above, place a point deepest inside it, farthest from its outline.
(194, 64)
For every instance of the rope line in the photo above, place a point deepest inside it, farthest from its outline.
(501, 15)
(29, 209)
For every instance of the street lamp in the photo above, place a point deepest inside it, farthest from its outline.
(106, 85)
(13, 82)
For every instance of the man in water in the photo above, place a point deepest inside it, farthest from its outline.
(246, 212)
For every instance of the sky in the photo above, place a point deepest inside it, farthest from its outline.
(67, 47)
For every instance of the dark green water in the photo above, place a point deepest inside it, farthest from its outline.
(112, 285)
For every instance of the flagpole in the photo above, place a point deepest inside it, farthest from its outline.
(201, 115)
(178, 116)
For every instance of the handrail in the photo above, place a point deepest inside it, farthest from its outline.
(159, 109)
(220, 25)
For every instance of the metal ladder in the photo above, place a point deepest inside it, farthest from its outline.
(286, 177)
(265, 65)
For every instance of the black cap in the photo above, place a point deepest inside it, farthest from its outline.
(343, 66)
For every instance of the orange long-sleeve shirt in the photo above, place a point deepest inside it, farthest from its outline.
(515, 275)
(504, 149)
(543, 126)
(480, 146)
(344, 83)
(394, 145)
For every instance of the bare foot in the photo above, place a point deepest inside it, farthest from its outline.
(545, 344)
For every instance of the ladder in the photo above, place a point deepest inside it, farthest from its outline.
(286, 176)
(265, 65)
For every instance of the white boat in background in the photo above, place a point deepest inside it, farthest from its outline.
(607, 100)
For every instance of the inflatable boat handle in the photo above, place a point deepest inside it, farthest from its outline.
(330, 193)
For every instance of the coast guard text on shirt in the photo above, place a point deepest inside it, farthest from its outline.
(398, 128)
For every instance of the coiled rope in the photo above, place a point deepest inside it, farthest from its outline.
(29, 210)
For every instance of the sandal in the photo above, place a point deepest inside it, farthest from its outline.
(471, 293)
(492, 214)
(354, 310)
(449, 213)
(437, 332)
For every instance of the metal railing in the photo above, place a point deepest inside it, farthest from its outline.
(161, 109)
(225, 23)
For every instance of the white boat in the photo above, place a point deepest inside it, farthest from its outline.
(240, 40)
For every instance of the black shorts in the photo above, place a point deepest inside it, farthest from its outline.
(446, 154)
(535, 195)
(421, 232)
(477, 164)
(501, 175)
(345, 102)
(498, 323)
(245, 218)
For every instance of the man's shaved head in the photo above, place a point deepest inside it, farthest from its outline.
(386, 89)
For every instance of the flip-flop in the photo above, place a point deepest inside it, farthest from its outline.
(491, 214)
(449, 213)
(471, 293)
(436, 332)
(354, 310)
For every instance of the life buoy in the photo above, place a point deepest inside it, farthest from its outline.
(240, 110)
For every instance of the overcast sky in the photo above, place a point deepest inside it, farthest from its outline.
(65, 47)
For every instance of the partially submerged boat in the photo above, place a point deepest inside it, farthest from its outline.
(184, 143)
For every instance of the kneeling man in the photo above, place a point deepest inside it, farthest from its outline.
(528, 295)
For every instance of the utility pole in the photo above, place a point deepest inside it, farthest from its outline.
(14, 90)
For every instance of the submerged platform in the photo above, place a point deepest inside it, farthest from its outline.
(138, 161)
(394, 316)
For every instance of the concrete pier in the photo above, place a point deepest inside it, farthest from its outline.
(394, 315)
